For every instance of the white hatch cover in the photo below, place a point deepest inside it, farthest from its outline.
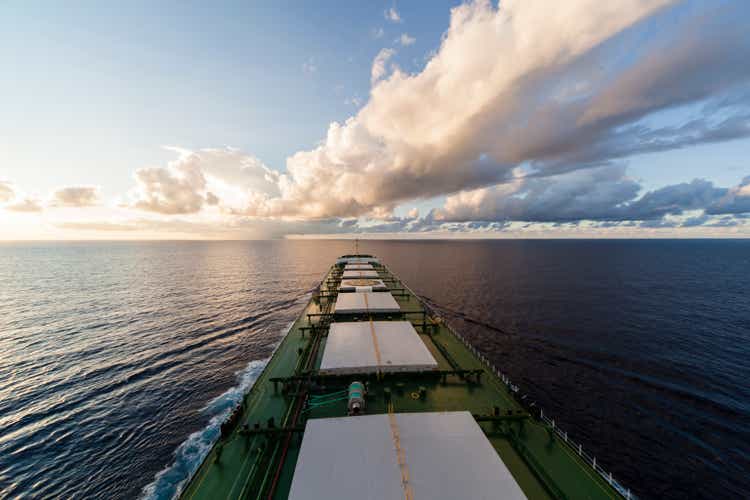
(359, 267)
(363, 302)
(442, 456)
(356, 260)
(362, 285)
(372, 346)
(359, 274)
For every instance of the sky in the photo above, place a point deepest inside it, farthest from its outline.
(523, 119)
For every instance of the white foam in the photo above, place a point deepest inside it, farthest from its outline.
(169, 482)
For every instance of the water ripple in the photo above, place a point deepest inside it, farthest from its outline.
(119, 360)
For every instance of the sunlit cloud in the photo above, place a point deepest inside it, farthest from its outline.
(379, 65)
(197, 179)
(6, 192)
(392, 15)
(28, 205)
(75, 196)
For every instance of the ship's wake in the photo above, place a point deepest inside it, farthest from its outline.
(169, 482)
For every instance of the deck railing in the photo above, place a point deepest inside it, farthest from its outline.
(577, 447)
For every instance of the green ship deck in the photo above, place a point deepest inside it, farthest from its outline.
(257, 453)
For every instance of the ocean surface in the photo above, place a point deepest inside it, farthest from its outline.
(118, 360)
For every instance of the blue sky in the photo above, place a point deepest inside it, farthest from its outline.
(124, 80)
(92, 92)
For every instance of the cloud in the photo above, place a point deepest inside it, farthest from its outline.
(735, 201)
(726, 221)
(592, 193)
(603, 193)
(309, 66)
(6, 192)
(75, 196)
(596, 194)
(406, 40)
(673, 200)
(696, 221)
(177, 189)
(392, 15)
(556, 88)
(29, 205)
(379, 64)
(205, 177)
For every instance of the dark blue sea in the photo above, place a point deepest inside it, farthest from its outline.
(118, 360)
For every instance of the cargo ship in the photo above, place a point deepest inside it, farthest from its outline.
(372, 395)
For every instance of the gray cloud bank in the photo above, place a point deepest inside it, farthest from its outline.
(603, 193)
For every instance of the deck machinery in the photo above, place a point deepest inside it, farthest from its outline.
(372, 396)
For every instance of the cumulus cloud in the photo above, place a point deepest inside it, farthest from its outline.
(556, 88)
(177, 189)
(205, 177)
(75, 196)
(379, 65)
(392, 15)
(406, 40)
(6, 192)
(17, 202)
(29, 205)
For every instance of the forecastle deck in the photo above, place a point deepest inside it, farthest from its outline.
(257, 454)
